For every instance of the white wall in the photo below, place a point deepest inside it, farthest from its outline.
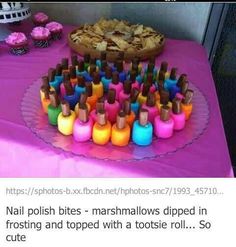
(175, 20)
(74, 13)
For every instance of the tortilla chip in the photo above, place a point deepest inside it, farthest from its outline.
(120, 26)
(149, 43)
(102, 46)
(138, 30)
(85, 41)
(149, 29)
(122, 44)
(113, 48)
(97, 29)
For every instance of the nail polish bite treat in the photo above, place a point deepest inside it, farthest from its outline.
(74, 61)
(103, 68)
(134, 103)
(45, 101)
(97, 85)
(150, 70)
(120, 70)
(136, 61)
(150, 106)
(164, 68)
(65, 65)
(89, 77)
(103, 57)
(54, 108)
(59, 76)
(101, 129)
(66, 119)
(112, 106)
(116, 84)
(106, 80)
(92, 98)
(152, 67)
(45, 84)
(164, 99)
(93, 62)
(184, 87)
(80, 86)
(82, 101)
(164, 124)
(142, 98)
(125, 93)
(182, 78)
(149, 81)
(120, 133)
(100, 105)
(177, 114)
(83, 125)
(187, 105)
(81, 69)
(175, 91)
(171, 81)
(160, 87)
(182, 90)
(132, 78)
(180, 87)
(120, 57)
(142, 130)
(52, 81)
(129, 114)
(71, 97)
(161, 78)
(73, 77)
(139, 77)
(66, 78)
(86, 61)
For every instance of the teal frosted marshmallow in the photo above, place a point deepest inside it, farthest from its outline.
(99, 63)
(59, 78)
(170, 83)
(79, 90)
(106, 83)
(82, 73)
(135, 108)
(55, 84)
(142, 135)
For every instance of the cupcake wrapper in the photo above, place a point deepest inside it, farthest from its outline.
(19, 50)
(41, 43)
(56, 36)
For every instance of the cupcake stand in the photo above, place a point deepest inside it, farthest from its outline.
(12, 12)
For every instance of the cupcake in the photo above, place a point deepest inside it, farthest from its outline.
(18, 43)
(41, 37)
(55, 29)
(40, 19)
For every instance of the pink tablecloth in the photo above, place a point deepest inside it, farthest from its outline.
(22, 154)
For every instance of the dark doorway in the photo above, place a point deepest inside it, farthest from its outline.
(224, 73)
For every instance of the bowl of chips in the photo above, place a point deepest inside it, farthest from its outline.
(114, 36)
